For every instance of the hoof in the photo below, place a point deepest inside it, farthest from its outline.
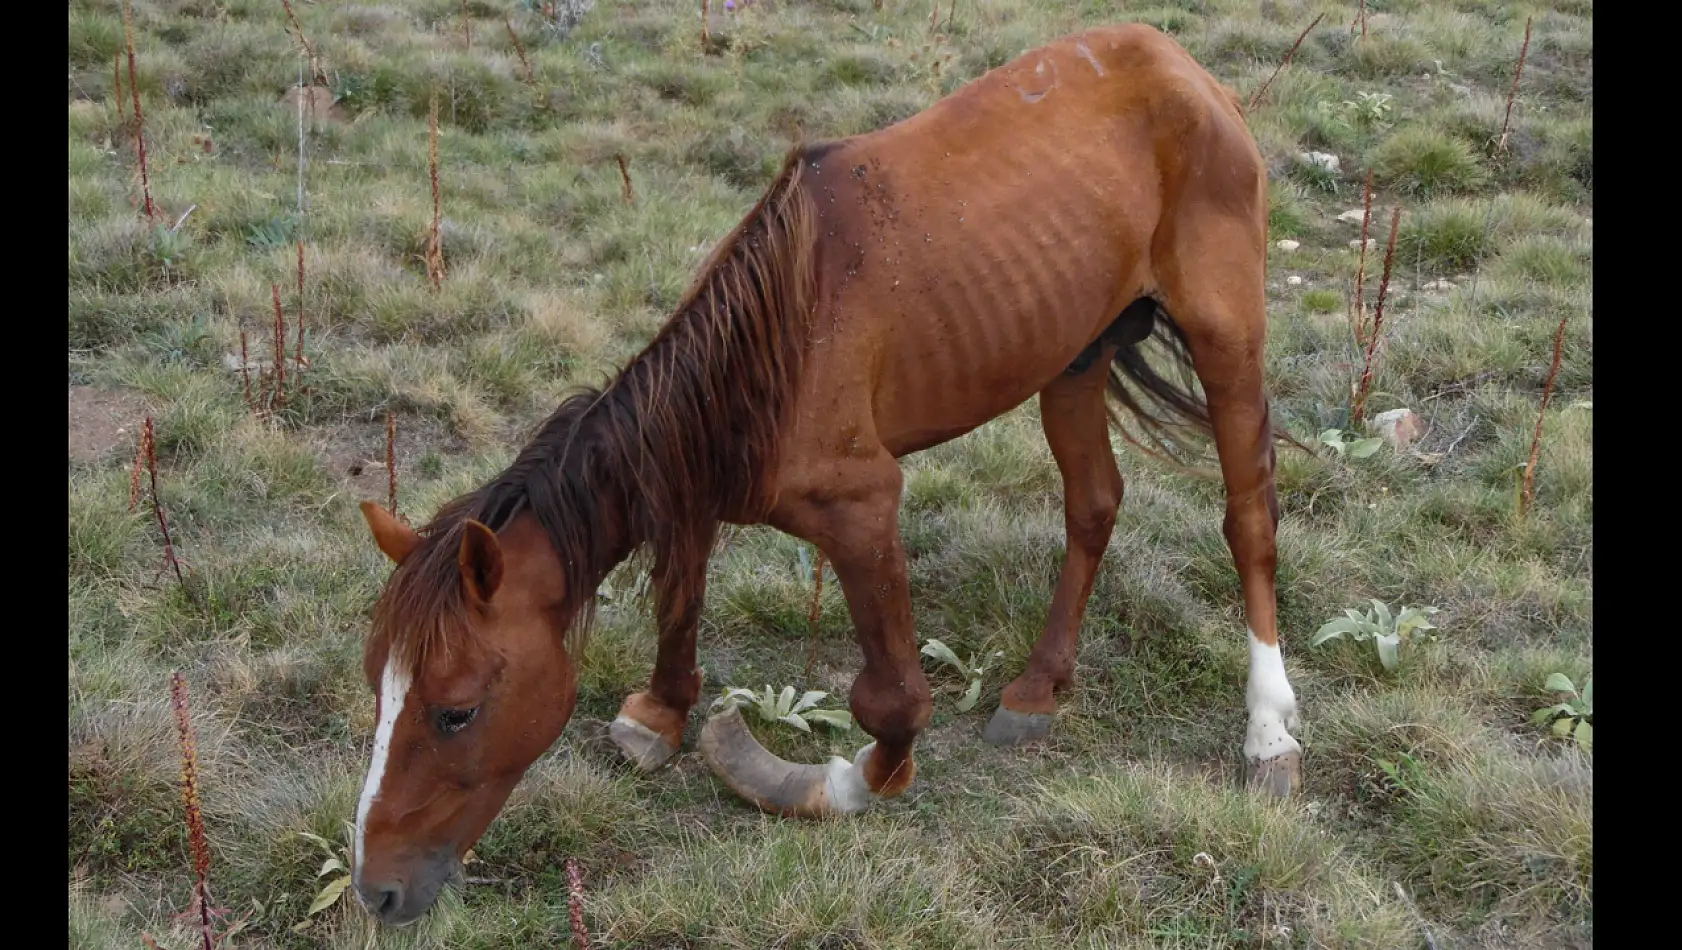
(1008, 727)
(1280, 776)
(646, 749)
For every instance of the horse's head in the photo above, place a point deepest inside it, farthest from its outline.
(472, 685)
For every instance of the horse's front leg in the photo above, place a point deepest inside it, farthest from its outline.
(854, 519)
(650, 724)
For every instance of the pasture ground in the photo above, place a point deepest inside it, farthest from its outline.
(1125, 828)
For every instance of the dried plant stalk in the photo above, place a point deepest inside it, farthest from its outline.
(190, 796)
(575, 904)
(317, 75)
(149, 443)
(1501, 144)
(1528, 494)
(279, 350)
(520, 50)
(391, 461)
(435, 245)
(1284, 62)
(467, 24)
(706, 40)
(625, 180)
(1377, 318)
(139, 116)
(1359, 316)
(142, 451)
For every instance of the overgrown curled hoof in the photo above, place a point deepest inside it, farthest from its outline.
(1280, 776)
(1008, 727)
(647, 749)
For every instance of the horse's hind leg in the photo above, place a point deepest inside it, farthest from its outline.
(1073, 415)
(1223, 313)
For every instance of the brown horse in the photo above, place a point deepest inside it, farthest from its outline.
(891, 291)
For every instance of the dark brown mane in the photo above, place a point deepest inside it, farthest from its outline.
(686, 434)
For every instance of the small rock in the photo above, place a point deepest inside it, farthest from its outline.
(1288, 245)
(1293, 281)
(1325, 160)
(231, 363)
(1462, 90)
(1352, 217)
(1441, 286)
(1355, 245)
(1399, 427)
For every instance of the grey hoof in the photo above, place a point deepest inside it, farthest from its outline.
(1008, 727)
(1280, 776)
(646, 749)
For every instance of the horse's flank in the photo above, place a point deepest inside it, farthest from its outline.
(685, 436)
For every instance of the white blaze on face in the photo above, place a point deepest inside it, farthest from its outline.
(1272, 702)
(394, 688)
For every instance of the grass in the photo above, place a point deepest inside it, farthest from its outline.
(1124, 828)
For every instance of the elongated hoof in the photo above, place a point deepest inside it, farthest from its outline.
(777, 786)
(1280, 776)
(647, 749)
(1009, 727)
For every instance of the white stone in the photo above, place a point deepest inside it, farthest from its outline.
(1325, 160)
(1399, 427)
(1288, 245)
(1355, 245)
(1441, 286)
(1293, 281)
(1352, 217)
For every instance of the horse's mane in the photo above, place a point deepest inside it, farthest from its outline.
(687, 432)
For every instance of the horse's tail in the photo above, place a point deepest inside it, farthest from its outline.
(1162, 400)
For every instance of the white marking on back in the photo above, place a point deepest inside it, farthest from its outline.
(1272, 703)
(394, 688)
(1086, 51)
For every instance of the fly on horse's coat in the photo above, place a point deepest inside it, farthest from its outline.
(889, 292)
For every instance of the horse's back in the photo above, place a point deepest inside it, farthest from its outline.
(970, 252)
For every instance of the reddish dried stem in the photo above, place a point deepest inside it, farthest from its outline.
(625, 180)
(190, 796)
(1529, 492)
(317, 77)
(149, 442)
(467, 24)
(1360, 314)
(1360, 20)
(434, 247)
(279, 350)
(520, 50)
(575, 904)
(139, 116)
(140, 453)
(1377, 316)
(1501, 145)
(1284, 62)
(706, 40)
(391, 461)
(813, 614)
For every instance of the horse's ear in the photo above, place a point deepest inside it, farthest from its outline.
(481, 560)
(394, 537)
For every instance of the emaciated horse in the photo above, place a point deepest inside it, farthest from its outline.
(890, 292)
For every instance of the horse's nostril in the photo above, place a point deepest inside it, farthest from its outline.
(388, 900)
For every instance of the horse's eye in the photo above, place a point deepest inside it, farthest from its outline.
(454, 720)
